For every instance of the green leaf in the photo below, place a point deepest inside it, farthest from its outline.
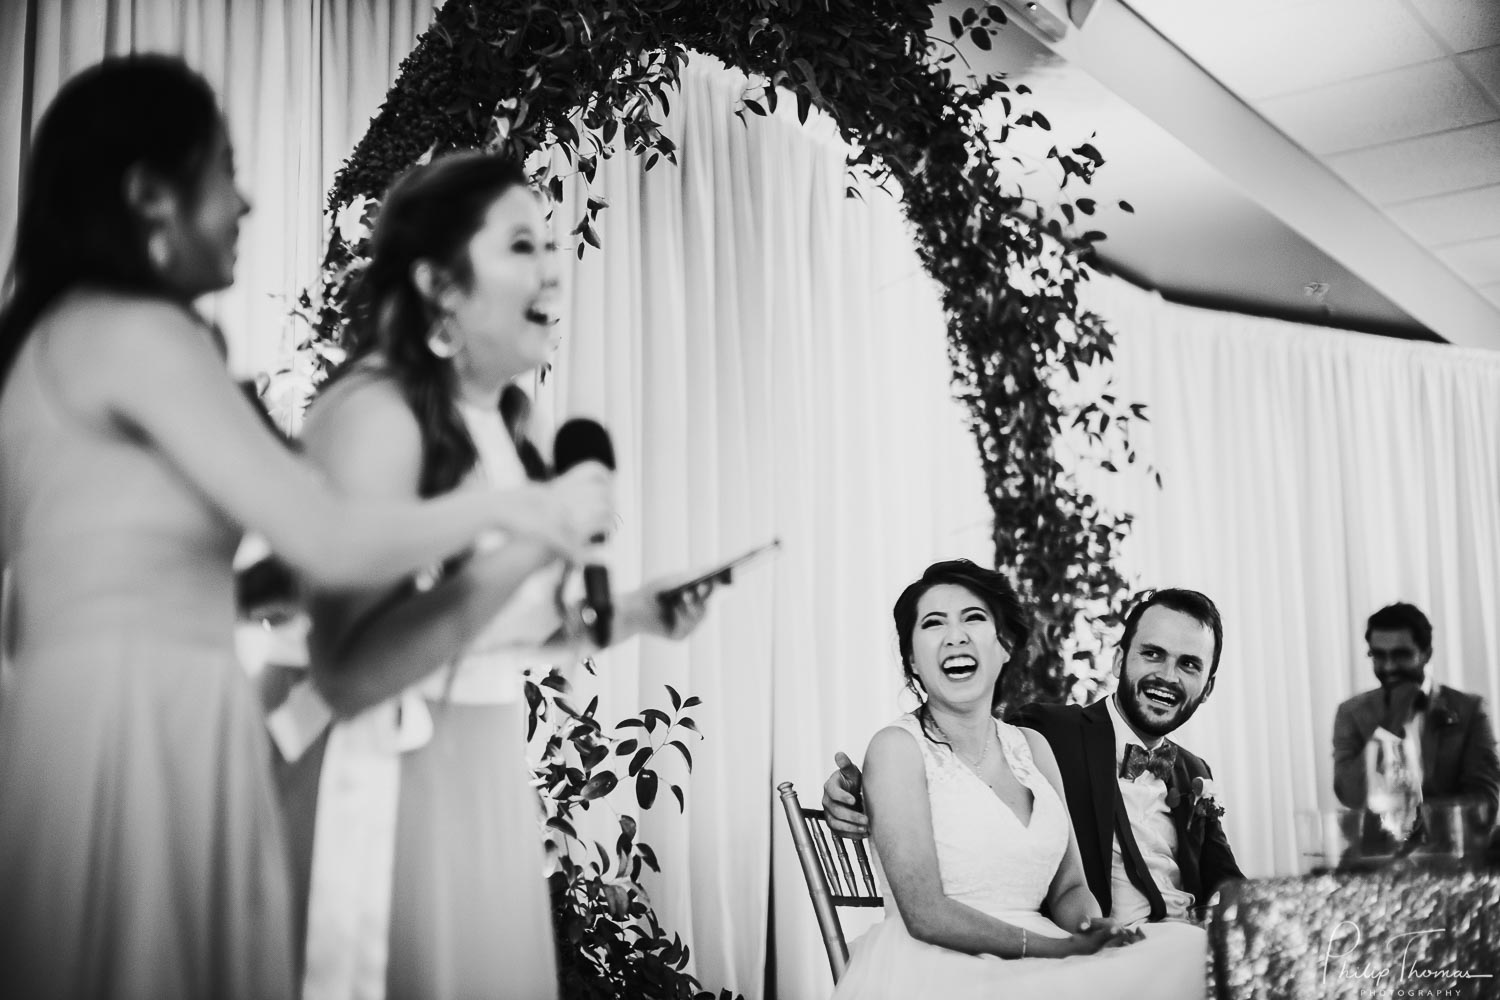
(675, 697)
(639, 760)
(981, 38)
(598, 786)
(645, 788)
(593, 240)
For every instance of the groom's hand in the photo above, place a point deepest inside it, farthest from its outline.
(1400, 706)
(842, 799)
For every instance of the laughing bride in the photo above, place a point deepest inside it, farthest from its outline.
(972, 833)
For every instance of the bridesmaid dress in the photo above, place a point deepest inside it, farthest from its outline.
(414, 826)
(141, 850)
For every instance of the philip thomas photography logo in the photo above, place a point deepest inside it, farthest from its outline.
(1415, 963)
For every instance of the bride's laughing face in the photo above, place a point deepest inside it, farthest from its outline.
(956, 652)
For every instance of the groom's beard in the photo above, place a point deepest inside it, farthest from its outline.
(1155, 728)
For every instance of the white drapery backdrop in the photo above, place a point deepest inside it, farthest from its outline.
(1310, 477)
(298, 80)
(770, 358)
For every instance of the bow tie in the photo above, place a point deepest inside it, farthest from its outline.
(1159, 761)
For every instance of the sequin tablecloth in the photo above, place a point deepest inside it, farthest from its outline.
(1391, 934)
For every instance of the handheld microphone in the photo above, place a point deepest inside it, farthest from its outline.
(578, 441)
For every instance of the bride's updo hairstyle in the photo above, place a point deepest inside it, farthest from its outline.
(75, 225)
(431, 213)
(1012, 622)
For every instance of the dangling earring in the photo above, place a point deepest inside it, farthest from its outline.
(442, 341)
(159, 250)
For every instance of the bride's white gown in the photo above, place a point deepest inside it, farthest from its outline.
(989, 860)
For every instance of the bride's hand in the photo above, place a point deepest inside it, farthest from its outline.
(1101, 932)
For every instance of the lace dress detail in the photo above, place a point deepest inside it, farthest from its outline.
(970, 824)
(991, 861)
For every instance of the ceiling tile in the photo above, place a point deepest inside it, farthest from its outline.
(1462, 24)
(1477, 262)
(1370, 110)
(1484, 66)
(1258, 50)
(1451, 218)
(1418, 168)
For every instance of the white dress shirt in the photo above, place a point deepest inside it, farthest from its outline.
(1155, 834)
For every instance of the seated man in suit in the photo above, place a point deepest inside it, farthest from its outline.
(1431, 729)
(1142, 807)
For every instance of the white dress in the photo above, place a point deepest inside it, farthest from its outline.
(988, 860)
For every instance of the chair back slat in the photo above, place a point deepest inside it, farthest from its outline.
(846, 870)
(870, 888)
(828, 851)
(830, 876)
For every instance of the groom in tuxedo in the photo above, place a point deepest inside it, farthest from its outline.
(1142, 807)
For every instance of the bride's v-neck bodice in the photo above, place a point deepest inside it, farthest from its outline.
(987, 857)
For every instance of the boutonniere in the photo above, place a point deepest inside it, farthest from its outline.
(1443, 717)
(1203, 801)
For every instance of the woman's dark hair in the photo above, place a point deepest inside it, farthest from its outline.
(515, 411)
(430, 214)
(75, 225)
(1012, 622)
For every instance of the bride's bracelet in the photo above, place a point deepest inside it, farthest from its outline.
(1023, 942)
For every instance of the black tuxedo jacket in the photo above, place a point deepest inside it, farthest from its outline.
(1083, 741)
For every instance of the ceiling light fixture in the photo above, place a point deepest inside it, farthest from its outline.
(1042, 21)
